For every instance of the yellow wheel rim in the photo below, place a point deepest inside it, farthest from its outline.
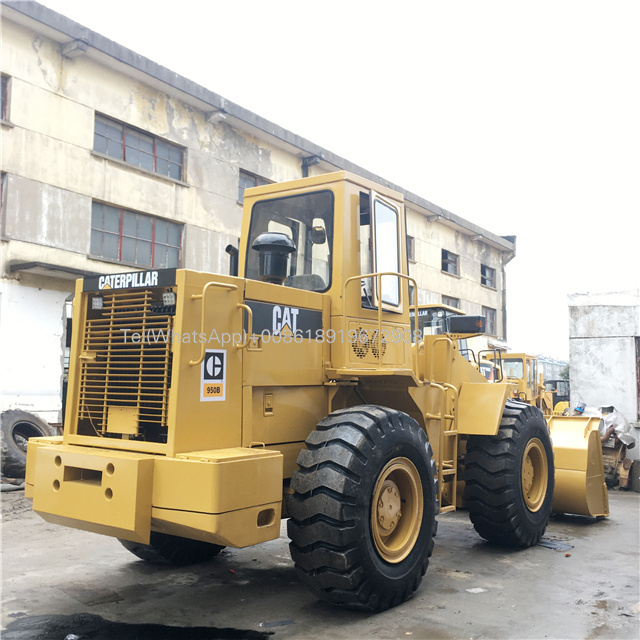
(535, 474)
(396, 510)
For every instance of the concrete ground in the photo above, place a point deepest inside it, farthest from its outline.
(60, 583)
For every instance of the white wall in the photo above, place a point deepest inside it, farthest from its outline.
(31, 349)
(602, 341)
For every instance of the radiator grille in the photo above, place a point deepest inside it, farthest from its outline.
(126, 362)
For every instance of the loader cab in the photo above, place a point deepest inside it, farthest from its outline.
(348, 242)
(522, 369)
(561, 390)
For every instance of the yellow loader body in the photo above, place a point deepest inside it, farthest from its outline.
(205, 407)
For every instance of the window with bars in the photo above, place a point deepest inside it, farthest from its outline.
(248, 180)
(134, 238)
(490, 317)
(138, 148)
(487, 276)
(450, 262)
(4, 98)
(451, 302)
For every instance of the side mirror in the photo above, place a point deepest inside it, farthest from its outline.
(318, 235)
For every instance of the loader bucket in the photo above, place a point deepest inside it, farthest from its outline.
(579, 481)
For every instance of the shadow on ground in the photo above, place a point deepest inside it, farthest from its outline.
(86, 626)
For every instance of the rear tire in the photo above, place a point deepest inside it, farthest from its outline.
(16, 428)
(509, 478)
(167, 549)
(363, 509)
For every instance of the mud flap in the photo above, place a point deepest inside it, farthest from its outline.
(579, 481)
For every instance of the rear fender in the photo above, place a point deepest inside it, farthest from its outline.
(480, 407)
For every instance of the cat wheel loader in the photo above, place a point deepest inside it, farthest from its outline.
(203, 408)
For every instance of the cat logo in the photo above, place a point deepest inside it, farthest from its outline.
(285, 320)
(214, 374)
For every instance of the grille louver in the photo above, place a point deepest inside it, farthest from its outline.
(118, 372)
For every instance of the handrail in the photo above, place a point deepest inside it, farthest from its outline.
(379, 277)
(443, 465)
(249, 330)
(205, 289)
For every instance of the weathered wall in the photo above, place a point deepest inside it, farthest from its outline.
(53, 175)
(433, 283)
(53, 105)
(603, 329)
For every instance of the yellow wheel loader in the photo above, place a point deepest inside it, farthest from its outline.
(203, 408)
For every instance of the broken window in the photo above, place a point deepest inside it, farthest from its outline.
(487, 276)
(450, 262)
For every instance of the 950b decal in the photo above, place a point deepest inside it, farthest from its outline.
(214, 375)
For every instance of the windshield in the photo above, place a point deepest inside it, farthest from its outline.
(513, 367)
(308, 220)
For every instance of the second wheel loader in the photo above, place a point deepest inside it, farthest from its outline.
(203, 408)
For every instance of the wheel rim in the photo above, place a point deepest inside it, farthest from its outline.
(535, 474)
(396, 511)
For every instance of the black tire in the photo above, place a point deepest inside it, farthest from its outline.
(503, 508)
(340, 552)
(167, 549)
(16, 428)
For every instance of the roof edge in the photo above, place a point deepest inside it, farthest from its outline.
(60, 23)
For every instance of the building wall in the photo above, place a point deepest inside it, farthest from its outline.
(604, 332)
(430, 238)
(52, 175)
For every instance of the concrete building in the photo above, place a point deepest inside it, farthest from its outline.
(551, 368)
(112, 162)
(604, 348)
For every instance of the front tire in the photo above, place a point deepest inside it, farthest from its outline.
(167, 549)
(509, 478)
(363, 509)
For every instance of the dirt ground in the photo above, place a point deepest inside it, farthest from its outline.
(61, 583)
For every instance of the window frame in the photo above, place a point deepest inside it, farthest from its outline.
(155, 243)
(5, 94)
(448, 257)
(447, 300)
(488, 277)
(251, 268)
(392, 291)
(259, 181)
(491, 319)
(411, 248)
(137, 134)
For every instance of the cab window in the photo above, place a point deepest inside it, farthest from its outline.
(379, 251)
(307, 219)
